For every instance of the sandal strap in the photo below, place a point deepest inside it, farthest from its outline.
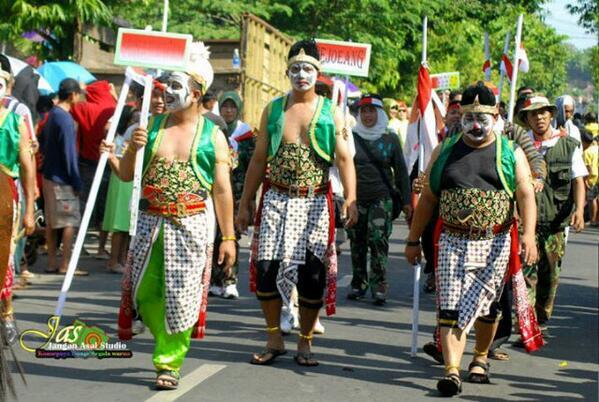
(478, 353)
(306, 337)
(272, 330)
(484, 366)
(170, 373)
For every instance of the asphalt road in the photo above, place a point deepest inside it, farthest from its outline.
(364, 354)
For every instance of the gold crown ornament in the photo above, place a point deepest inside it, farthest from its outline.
(303, 57)
(477, 107)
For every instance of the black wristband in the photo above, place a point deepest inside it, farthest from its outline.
(413, 243)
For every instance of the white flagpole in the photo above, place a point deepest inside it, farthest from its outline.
(506, 48)
(515, 68)
(139, 158)
(416, 292)
(165, 16)
(91, 199)
(487, 57)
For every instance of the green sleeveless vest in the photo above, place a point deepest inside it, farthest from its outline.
(505, 161)
(321, 131)
(204, 158)
(9, 144)
(555, 203)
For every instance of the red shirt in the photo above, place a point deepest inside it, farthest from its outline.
(92, 117)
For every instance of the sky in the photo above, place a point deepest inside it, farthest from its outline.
(567, 24)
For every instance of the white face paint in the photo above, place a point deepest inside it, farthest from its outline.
(177, 95)
(3, 85)
(302, 76)
(477, 126)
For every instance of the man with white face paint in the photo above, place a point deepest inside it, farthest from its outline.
(469, 172)
(185, 181)
(300, 136)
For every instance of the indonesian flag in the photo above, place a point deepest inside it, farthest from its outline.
(422, 123)
(506, 64)
(242, 132)
(487, 68)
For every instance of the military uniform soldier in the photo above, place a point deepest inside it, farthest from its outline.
(560, 203)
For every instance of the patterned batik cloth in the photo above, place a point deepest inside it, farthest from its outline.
(6, 287)
(289, 226)
(187, 245)
(185, 258)
(471, 274)
(475, 207)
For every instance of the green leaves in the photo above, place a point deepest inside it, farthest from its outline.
(393, 27)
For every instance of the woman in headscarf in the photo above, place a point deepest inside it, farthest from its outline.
(241, 141)
(380, 171)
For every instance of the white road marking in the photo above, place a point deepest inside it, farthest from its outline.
(344, 281)
(187, 383)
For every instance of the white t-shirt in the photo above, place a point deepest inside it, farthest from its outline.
(578, 167)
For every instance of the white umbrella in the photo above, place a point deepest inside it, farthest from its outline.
(17, 66)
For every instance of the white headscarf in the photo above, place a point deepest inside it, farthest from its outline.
(375, 132)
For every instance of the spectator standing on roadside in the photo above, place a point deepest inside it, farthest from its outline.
(62, 181)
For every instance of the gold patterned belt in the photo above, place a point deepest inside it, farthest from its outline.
(476, 232)
(187, 204)
(300, 191)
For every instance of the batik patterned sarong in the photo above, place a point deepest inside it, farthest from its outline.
(471, 275)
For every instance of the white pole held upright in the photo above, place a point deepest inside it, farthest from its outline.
(510, 116)
(416, 292)
(506, 48)
(139, 158)
(91, 200)
(487, 57)
(165, 16)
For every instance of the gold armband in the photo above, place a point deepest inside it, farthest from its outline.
(343, 133)
(226, 238)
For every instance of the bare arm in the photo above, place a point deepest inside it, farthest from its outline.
(423, 214)
(426, 204)
(579, 196)
(255, 174)
(345, 162)
(221, 189)
(525, 196)
(126, 165)
(27, 176)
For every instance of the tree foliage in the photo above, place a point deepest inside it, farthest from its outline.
(393, 27)
(588, 14)
(56, 21)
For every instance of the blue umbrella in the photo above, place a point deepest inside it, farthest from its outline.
(56, 71)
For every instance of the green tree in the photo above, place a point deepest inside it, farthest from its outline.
(393, 27)
(588, 14)
(56, 21)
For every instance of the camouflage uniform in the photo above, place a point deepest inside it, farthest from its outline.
(243, 155)
(542, 278)
(371, 232)
(555, 204)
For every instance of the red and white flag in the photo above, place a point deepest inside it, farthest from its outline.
(422, 123)
(506, 64)
(487, 68)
